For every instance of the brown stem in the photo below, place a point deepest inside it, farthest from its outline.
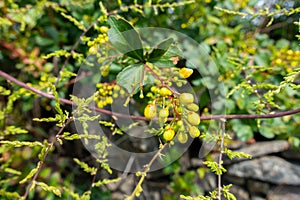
(143, 174)
(212, 117)
(250, 83)
(160, 79)
(44, 158)
(222, 131)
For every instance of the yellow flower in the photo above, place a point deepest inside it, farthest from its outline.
(185, 72)
(169, 134)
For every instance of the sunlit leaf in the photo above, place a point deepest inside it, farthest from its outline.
(125, 38)
(160, 49)
(130, 77)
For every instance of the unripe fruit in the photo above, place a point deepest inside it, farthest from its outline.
(179, 110)
(150, 111)
(103, 29)
(179, 123)
(167, 127)
(163, 113)
(185, 72)
(193, 107)
(153, 89)
(194, 131)
(165, 92)
(179, 126)
(186, 98)
(182, 137)
(93, 49)
(104, 70)
(193, 118)
(169, 134)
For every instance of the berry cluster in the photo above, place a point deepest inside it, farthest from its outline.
(286, 58)
(181, 107)
(162, 102)
(189, 114)
(100, 39)
(106, 93)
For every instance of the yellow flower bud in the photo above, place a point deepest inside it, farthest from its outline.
(169, 134)
(185, 72)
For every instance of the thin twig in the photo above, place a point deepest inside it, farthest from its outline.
(144, 173)
(251, 61)
(160, 79)
(273, 27)
(134, 117)
(222, 130)
(44, 158)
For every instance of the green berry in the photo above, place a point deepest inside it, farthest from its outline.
(186, 98)
(179, 125)
(194, 131)
(163, 116)
(193, 118)
(164, 113)
(193, 107)
(182, 137)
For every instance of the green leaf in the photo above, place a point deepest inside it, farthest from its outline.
(267, 132)
(21, 143)
(106, 181)
(31, 174)
(12, 130)
(214, 167)
(163, 62)
(86, 167)
(49, 188)
(160, 49)
(12, 171)
(243, 131)
(130, 77)
(125, 38)
(9, 195)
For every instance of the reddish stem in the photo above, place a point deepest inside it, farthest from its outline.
(212, 117)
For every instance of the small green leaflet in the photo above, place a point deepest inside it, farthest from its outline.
(266, 131)
(160, 49)
(130, 77)
(125, 38)
(163, 62)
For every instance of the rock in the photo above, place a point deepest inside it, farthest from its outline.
(257, 187)
(235, 144)
(155, 195)
(263, 148)
(209, 182)
(117, 196)
(184, 162)
(239, 192)
(284, 193)
(257, 198)
(291, 154)
(196, 162)
(234, 179)
(271, 169)
(128, 184)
